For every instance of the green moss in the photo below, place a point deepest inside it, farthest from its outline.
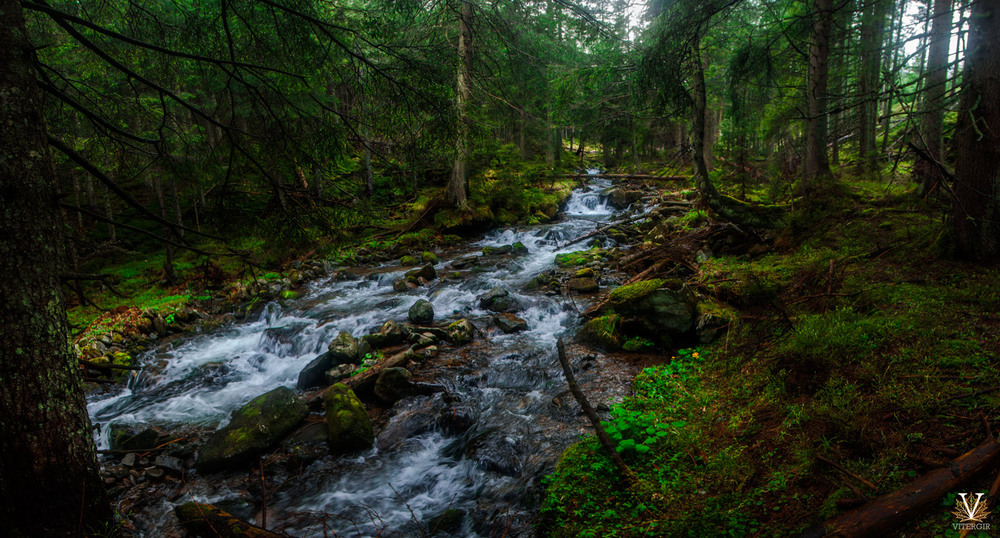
(602, 332)
(635, 291)
(409, 261)
(581, 257)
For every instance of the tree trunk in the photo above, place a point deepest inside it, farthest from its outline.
(168, 263)
(49, 481)
(872, 30)
(178, 214)
(112, 235)
(816, 165)
(974, 223)
(458, 193)
(927, 173)
(701, 178)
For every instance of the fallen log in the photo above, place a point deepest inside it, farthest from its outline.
(108, 365)
(883, 515)
(207, 520)
(603, 229)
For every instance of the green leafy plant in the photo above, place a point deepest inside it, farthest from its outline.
(633, 431)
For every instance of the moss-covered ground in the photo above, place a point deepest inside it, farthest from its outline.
(852, 342)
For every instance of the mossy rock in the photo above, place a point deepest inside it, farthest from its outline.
(348, 427)
(635, 291)
(409, 261)
(390, 334)
(582, 285)
(580, 257)
(428, 257)
(344, 349)
(586, 272)
(461, 332)
(421, 313)
(252, 429)
(602, 332)
(498, 251)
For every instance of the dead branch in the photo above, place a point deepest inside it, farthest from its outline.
(602, 435)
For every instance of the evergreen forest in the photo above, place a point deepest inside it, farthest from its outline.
(484, 268)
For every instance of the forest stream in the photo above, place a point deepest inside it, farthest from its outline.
(476, 448)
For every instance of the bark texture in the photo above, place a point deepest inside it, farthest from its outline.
(975, 218)
(816, 164)
(458, 191)
(927, 173)
(49, 481)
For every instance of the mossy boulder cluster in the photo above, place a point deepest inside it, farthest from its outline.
(655, 311)
(252, 429)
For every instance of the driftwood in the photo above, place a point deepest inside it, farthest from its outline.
(207, 520)
(883, 515)
(595, 420)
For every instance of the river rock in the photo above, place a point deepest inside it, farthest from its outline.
(421, 313)
(429, 257)
(348, 427)
(314, 374)
(339, 372)
(393, 384)
(500, 300)
(207, 520)
(344, 349)
(390, 334)
(509, 323)
(252, 429)
(125, 438)
(498, 251)
(621, 198)
(169, 463)
(461, 332)
(582, 284)
(409, 261)
(468, 261)
(426, 272)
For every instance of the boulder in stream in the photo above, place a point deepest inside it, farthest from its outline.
(348, 427)
(500, 300)
(314, 374)
(252, 429)
(509, 323)
(393, 384)
(421, 313)
(390, 334)
(344, 350)
(426, 272)
(621, 198)
(461, 332)
(583, 284)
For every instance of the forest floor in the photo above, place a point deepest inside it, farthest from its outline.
(856, 361)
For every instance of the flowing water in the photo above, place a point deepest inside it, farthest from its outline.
(479, 448)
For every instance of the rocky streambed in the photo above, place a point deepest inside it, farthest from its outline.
(390, 401)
